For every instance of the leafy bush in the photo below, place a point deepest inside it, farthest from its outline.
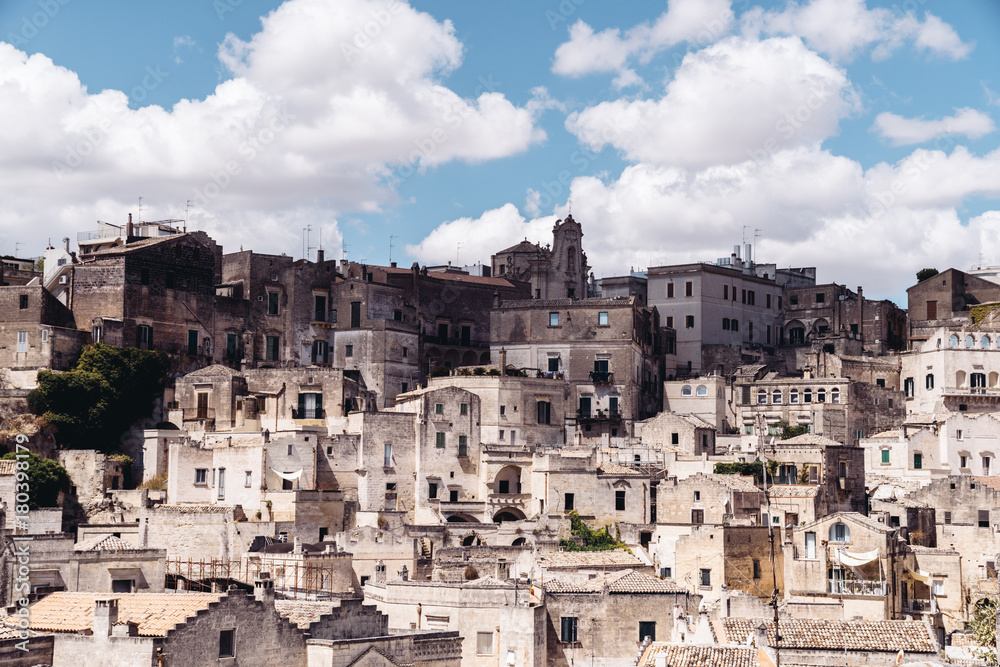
(984, 628)
(156, 483)
(92, 405)
(924, 274)
(440, 372)
(754, 468)
(46, 478)
(593, 540)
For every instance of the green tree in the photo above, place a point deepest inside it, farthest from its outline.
(924, 274)
(786, 430)
(96, 402)
(984, 629)
(46, 478)
(593, 539)
(754, 468)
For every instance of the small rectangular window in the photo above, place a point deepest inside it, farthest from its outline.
(620, 500)
(568, 627)
(885, 456)
(290, 450)
(670, 290)
(439, 408)
(463, 409)
(947, 518)
(568, 500)
(602, 318)
(553, 319)
(272, 303)
(201, 476)
(984, 518)
(706, 577)
(918, 461)
(387, 455)
(348, 350)
(689, 321)
(697, 517)
(406, 352)
(227, 643)
(23, 301)
(484, 643)
(248, 478)
(432, 490)
(22, 341)
(439, 439)
(463, 445)
(647, 629)
(688, 288)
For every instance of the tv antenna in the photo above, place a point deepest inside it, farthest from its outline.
(187, 207)
(305, 241)
(140, 209)
(391, 237)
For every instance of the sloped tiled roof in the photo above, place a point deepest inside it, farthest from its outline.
(591, 559)
(215, 370)
(523, 246)
(793, 491)
(809, 439)
(301, 612)
(487, 582)
(886, 636)
(136, 245)
(8, 466)
(992, 482)
(628, 581)
(451, 275)
(154, 613)
(700, 656)
(104, 543)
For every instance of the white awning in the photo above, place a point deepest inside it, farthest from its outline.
(920, 575)
(856, 558)
(290, 476)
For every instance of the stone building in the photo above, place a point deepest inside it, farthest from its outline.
(606, 619)
(840, 409)
(945, 298)
(709, 499)
(687, 432)
(152, 293)
(498, 620)
(612, 353)
(556, 272)
(517, 410)
(705, 397)
(725, 314)
(196, 628)
(37, 332)
(710, 560)
(957, 369)
(813, 312)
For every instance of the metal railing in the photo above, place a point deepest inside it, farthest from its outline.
(858, 587)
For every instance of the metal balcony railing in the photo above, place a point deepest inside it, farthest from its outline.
(859, 587)
(602, 377)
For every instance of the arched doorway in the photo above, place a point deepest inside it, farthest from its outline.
(508, 514)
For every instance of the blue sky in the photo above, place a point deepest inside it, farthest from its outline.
(460, 128)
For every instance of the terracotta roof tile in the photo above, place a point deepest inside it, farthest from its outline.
(576, 559)
(885, 636)
(154, 613)
(628, 581)
(105, 543)
(700, 656)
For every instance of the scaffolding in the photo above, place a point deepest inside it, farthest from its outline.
(292, 579)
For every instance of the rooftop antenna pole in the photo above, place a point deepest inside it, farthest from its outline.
(343, 248)
(457, 251)
(17, 247)
(140, 209)
(303, 245)
(187, 208)
(309, 229)
(391, 237)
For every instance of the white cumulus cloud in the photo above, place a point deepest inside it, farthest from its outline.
(903, 131)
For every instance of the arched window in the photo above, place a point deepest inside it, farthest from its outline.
(970, 341)
(821, 396)
(807, 396)
(702, 390)
(686, 390)
(953, 341)
(571, 258)
(776, 397)
(762, 397)
(793, 396)
(985, 343)
(840, 533)
(835, 395)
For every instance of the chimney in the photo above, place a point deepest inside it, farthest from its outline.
(392, 264)
(760, 635)
(105, 616)
(297, 545)
(129, 229)
(263, 588)
(320, 256)
(724, 602)
(503, 361)
(496, 299)
(66, 243)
